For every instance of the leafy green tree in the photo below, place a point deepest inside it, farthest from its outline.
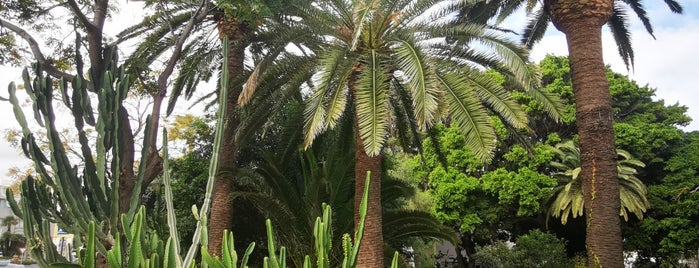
(534, 249)
(669, 231)
(484, 203)
(649, 129)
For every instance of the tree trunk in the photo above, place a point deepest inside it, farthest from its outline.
(221, 204)
(371, 248)
(581, 21)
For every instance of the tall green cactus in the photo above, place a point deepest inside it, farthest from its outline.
(69, 194)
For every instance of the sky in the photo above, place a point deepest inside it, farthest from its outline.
(667, 63)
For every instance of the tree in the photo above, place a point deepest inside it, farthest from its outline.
(568, 196)
(534, 249)
(581, 22)
(108, 180)
(649, 129)
(382, 60)
(9, 221)
(484, 203)
(248, 25)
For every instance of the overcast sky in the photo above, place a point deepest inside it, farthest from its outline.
(668, 64)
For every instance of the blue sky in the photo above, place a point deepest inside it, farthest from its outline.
(668, 64)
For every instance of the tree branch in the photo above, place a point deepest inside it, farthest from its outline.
(36, 50)
(159, 96)
(81, 16)
(154, 161)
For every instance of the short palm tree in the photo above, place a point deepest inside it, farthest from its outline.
(567, 198)
(384, 59)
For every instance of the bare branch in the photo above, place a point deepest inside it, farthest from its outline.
(199, 15)
(81, 16)
(36, 50)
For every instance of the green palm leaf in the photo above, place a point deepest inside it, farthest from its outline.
(469, 115)
(372, 109)
(420, 81)
(492, 93)
(568, 196)
(316, 111)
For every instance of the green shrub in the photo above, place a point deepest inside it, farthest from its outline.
(535, 249)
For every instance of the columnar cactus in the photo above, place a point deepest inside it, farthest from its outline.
(65, 193)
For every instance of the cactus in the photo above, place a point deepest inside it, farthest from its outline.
(62, 192)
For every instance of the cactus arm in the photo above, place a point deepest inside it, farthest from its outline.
(200, 232)
(171, 220)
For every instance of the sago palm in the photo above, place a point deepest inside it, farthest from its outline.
(567, 198)
(383, 58)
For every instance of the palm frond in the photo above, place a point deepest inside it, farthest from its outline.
(551, 102)
(420, 81)
(674, 6)
(361, 14)
(469, 115)
(372, 99)
(620, 30)
(316, 111)
(536, 27)
(398, 225)
(640, 11)
(492, 93)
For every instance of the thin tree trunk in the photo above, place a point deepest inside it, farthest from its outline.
(581, 21)
(221, 204)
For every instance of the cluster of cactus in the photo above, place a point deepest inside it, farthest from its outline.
(67, 194)
(147, 250)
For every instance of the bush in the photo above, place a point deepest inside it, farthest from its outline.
(535, 249)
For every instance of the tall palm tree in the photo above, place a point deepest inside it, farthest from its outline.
(242, 24)
(383, 58)
(568, 196)
(581, 22)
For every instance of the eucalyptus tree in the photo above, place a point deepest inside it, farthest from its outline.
(388, 64)
(567, 199)
(581, 22)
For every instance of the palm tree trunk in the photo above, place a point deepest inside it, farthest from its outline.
(221, 204)
(371, 248)
(581, 21)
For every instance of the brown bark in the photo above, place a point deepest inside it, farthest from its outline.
(371, 248)
(221, 205)
(581, 21)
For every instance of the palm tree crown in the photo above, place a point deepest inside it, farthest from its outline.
(390, 55)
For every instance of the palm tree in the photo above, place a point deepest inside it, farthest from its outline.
(581, 22)
(243, 27)
(568, 196)
(289, 186)
(384, 59)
